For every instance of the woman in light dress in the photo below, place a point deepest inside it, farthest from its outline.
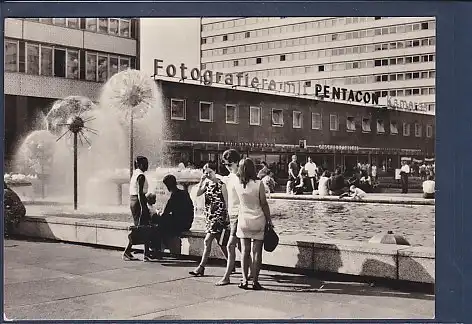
(323, 184)
(253, 216)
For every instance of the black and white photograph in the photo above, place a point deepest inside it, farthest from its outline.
(234, 168)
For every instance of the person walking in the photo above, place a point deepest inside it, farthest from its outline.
(253, 216)
(216, 214)
(231, 160)
(138, 187)
(292, 175)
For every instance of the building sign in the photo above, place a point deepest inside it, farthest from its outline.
(339, 147)
(208, 77)
(393, 103)
(248, 144)
(326, 91)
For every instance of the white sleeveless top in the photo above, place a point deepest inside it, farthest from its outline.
(133, 183)
(233, 200)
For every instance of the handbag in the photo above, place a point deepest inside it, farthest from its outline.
(223, 237)
(271, 239)
(142, 234)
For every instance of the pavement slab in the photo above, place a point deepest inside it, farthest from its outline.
(91, 283)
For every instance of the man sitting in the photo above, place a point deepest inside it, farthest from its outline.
(429, 188)
(177, 216)
(337, 184)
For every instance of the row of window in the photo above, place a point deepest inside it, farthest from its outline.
(327, 67)
(53, 60)
(113, 26)
(329, 52)
(325, 23)
(308, 40)
(178, 112)
(367, 79)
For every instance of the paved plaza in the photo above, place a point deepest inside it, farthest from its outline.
(45, 280)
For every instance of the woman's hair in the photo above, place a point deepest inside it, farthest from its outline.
(430, 177)
(151, 198)
(140, 161)
(231, 156)
(210, 165)
(247, 171)
(325, 174)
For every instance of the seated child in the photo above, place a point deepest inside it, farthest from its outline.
(354, 193)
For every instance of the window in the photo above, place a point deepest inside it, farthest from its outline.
(255, 116)
(350, 124)
(406, 129)
(235, 63)
(124, 64)
(46, 60)
(366, 125)
(315, 121)
(177, 109)
(277, 117)
(231, 114)
(380, 126)
(333, 122)
(225, 38)
(307, 83)
(114, 26)
(432, 91)
(11, 56)
(424, 25)
(247, 34)
(102, 68)
(60, 22)
(72, 64)
(393, 128)
(377, 63)
(103, 25)
(297, 119)
(321, 68)
(429, 131)
(125, 27)
(416, 75)
(91, 24)
(46, 21)
(418, 130)
(204, 41)
(91, 67)
(282, 57)
(206, 111)
(73, 23)
(32, 59)
(258, 60)
(59, 62)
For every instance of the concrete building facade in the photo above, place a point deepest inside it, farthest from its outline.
(51, 58)
(393, 56)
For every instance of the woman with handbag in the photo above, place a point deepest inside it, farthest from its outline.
(254, 215)
(138, 188)
(216, 214)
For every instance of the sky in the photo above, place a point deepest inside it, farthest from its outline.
(173, 40)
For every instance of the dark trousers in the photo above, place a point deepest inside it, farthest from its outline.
(141, 216)
(404, 182)
(166, 230)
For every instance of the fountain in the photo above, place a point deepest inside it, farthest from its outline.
(130, 116)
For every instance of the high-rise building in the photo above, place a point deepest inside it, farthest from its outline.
(392, 56)
(51, 58)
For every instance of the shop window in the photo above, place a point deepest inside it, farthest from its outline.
(297, 119)
(429, 131)
(206, 111)
(255, 116)
(406, 129)
(366, 124)
(333, 122)
(393, 128)
(46, 60)
(11, 56)
(59, 62)
(231, 114)
(418, 130)
(315, 121)
(177, 109)
(380, 126)
(91, 67)
(277, 117)
(350, 123)
(72, 64)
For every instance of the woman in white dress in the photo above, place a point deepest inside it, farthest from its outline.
(323, 184)
(253, 216)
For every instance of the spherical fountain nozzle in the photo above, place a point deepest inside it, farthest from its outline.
(76, 124)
